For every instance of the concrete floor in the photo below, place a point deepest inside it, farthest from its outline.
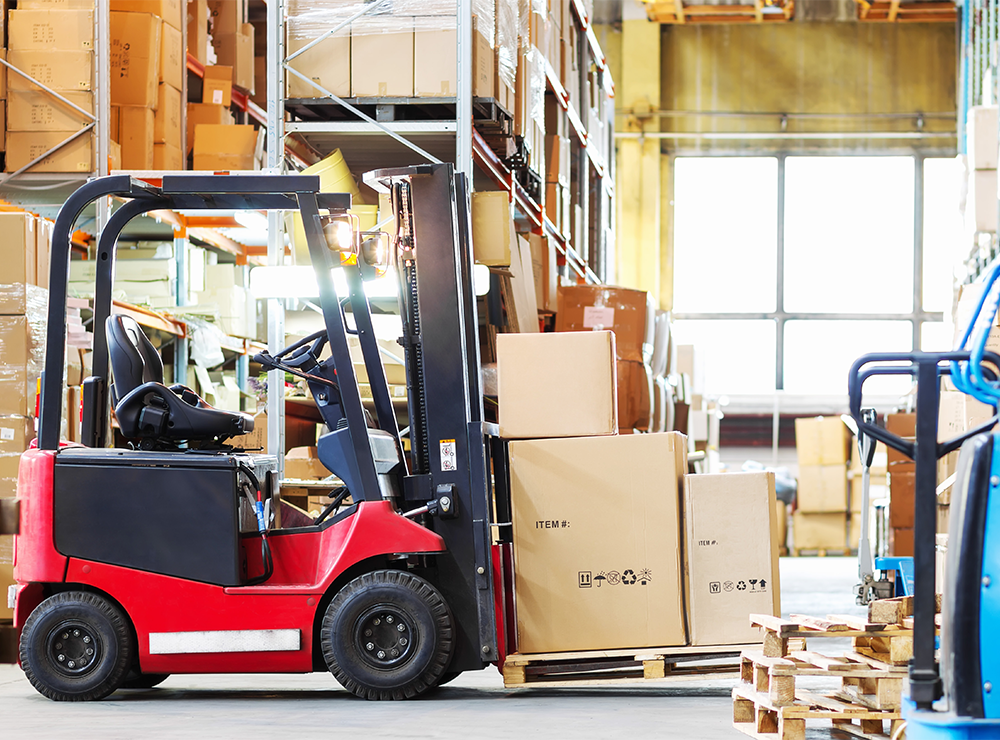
(475, 705)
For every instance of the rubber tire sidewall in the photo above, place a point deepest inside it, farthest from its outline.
(136, 680)
(108, 623)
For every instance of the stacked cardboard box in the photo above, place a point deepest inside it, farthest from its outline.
(235, 310)
(823, 448)
(981, 135)
(900, 476)
(233, 40)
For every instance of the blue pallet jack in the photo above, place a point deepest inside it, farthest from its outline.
(960, 698)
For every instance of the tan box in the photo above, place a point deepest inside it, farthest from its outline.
(819, 531)
(171, 11)
(303, 463)
(218, 86)
(260, 81)
(173, 62)
(959, 413)
(539, 398)
(236, 50)
(167, 119)
(981, 137)
(492, 228)
(434, 62)
(59, 70)
(24, 146)
(55, 4)
(546, 271)
(43, 249)
(823, 440)
(902, 425)
(17, 381)
(593, 577)
(167, 157)
(224, 147)
(18, 235)
(205, 113)
(483, 66)
(731, 555)
(227, 15)
(382, 57)
(51, 30)
(3, 75)
(39, 111)
(627, 312)
(135, 58)
(635, 396)
(197, 26)
(822, 488)
(328, 64)
(137, 138)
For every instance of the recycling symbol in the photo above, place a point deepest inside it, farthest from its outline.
(614, 577)
(741, 586)
(628, 577)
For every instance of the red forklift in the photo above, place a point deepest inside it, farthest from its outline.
(165, 557)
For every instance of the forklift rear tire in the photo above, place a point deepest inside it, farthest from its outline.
(76, 646)
(388, 635)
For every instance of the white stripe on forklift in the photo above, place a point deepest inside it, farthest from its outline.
(224, 641)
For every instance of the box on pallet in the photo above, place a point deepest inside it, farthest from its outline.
(822, 488)
(173, 64)
(197, 30)
(210, 113)
(235, 50)
(823, 440)
(819, 531)
(135, 58)
(18, 238)
(597, 576)
(23, 147)
(546, 271)
(382, 57)
(173, 12)
(217, 85)
(224, 147)
(51, 30)
(136, 137)
(492, 228)
(167, 120)
(58, 70)
(29, 110)
(303, 463)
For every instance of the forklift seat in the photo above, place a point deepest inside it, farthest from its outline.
(147, 409)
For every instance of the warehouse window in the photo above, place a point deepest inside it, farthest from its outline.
(787, 268)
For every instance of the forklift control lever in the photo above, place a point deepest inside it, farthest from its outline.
(443, 507)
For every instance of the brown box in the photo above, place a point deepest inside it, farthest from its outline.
(303, 463)
(197, 24)
(171, 11)
(434, 65)
(328, 64)
(17, 255)
(227, 15)
(24, 146)
(137, 137)
(382, 57)
(902, 425)
(167, 119)
(539, 398)
(483, 66)
(626, 312)
(135, 58)
(492, 228)
(167, 157)
(901, 542)
(635, 395)
(224, 147)
(236, 50)
(822, 440)
(39, 111)
(51, 30)
(218, 86)
(731, 555)
(546, 271)
(43, 248)
(598, 577)
(173, 62)
(902, 499)
(260, 81)
(205, 113)
(59, 70)
(20, 354)
(819, 531)
(557, 159)
(822, 488)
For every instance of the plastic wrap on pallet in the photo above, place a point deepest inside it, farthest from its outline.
(530, 14)
(308, 19)
(506, 41)
(537, 87)
(22, 347)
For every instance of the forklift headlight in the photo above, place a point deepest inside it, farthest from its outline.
(340, 232)
(375, 252)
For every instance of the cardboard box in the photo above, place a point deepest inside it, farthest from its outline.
(25, 146)
(557, 160)
(483, 66)
(981, 202)
(197, 30)
(902, 425)
(959, 413)
(167, 157)
(21, 352)
(167, 119)
(43, 248)
(635, 395)
(819, 531)
(137, 138)
(236, 50)
(592, 577)
(171, 11)
(303, 463)
(981, 137)
(434, 62)
(539, 398)
(210, 113)
(822, 488)
(17, 255)
(382, 57)
(822, 440)
(492, 228)
(135, 58)
(217, 87)
(173, 62)
(224, 147)
(901, 542)
(227, 15)
(39, 111)
(328, 64)
(58, 70)
(546, 271)
(627, 312)
(731, 555)
(902, 498)
(51, 30)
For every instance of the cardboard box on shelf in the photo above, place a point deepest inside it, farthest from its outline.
(819, 531)
(167, 119)
(17, 255)
(217, 86)
(981, 201)
(901, 542)
(303, 463)
(483, 66)
(236, 50)
(557, 159)
(135, 58)
(43, 248)
(731, 555)
(25, 146)
(902, 425)
(19, 346)
(546, 271)
(51, 30)
(260, 81)
(539, 398)
(822, 440)
(197, 30)
(555, 194)
(627, 312)
(58, 70)
(981, 137)
(635, 395)
(227, 15)
(902, 489)
(210, 113)
(224, 147)
(167, 157)
(173, 12)
(38, 111)
(173, 62)
(959, 413)
(382, 57)
(328, 64)
(434, 65)
(598, 577)
(492, 228)
(822, 488)
(137, 137)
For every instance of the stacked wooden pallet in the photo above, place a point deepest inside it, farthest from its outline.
(769, 704)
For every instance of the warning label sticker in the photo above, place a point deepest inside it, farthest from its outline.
(6, 434)
(627, 577)
(749, 585)
(598, 317)
(449, 461)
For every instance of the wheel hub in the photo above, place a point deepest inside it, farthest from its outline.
(73, 648)
(385, 636)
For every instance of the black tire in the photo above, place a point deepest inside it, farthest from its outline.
(448, 677)
(388, 635)
(136, 680)
(94, 639)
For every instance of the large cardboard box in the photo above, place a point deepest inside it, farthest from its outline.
(197, 30)
(20, 369)
(635, 395)
(171, 11)
(902, 425)
(627, 312)
(135, 58)
(981, 201)
(173, 62)
(236, 50)
(546, 271)
(597, 555)
(167, 119)
(328, 64)
(822, 440)
(731, 555)
(38, 111)
(58, 70)
(206, 113)
(167, 157)
(434, 65)
(483, 65)
(819, 531)
(224, 147)
(959, 413)
(901, 542)
(217, 85)
(17, 255)
(822, 488)
(25, 146)
(227, 15)
(382, 57)
(303, 463)
(492, 228)
(981, 137)
(51, 30)
(538, 397)
(137, 138)
(902, 495)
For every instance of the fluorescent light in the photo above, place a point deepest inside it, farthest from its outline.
(254, 220)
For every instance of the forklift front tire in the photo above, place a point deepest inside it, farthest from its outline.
(76, 646)
(136, 680)
(388, 635)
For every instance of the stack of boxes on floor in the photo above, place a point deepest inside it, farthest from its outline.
(821, 517)
(981, 164)
(901, 480)
(611, 539)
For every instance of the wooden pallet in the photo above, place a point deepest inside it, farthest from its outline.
(879, 641)
(603, 667)
(822, 552)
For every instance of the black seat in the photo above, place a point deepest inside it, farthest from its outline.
(147, 409)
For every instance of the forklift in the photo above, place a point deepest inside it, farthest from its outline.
(169, 557)
(958, 697)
